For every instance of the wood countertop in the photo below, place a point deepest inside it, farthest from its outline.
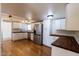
(60, 35)
(68, 43)
(22, 32)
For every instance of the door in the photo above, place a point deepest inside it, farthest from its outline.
(6, 37)
(6, 30)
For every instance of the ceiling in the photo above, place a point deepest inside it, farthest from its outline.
(35, 11)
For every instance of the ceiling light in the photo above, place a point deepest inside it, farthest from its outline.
(10, 16)
(50, 16)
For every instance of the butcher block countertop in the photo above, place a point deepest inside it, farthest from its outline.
(67, 42)
(23, 32)
(60, 35)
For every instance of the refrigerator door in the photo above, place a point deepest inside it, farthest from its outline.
(38, 29)
(38, 34)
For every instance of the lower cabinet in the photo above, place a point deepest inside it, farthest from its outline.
(56, 51)
(18, 36)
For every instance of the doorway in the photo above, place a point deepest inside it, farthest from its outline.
(6, 28)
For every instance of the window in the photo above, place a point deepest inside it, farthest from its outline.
(29, 27)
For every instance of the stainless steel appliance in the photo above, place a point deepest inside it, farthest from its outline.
(38, 33)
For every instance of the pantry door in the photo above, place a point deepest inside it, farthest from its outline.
(6, 30)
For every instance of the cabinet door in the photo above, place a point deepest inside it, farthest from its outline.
(72, 16)
(55, 25)
(62, 24)
(59, 24)
(17, 25)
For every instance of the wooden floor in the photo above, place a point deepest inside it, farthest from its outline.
(24, 48)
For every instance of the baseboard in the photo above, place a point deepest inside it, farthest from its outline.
(19, 39)
(46, 46)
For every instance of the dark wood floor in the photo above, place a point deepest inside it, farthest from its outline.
(24, 48)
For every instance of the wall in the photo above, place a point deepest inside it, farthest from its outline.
(0, 30)
(47, 39)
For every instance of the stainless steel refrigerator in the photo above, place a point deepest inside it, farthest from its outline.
(38, 33)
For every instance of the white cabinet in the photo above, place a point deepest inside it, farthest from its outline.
(72, 16)
(63, 24)
(18, 36)
(58, 25)
(71, 22)
(56, 51)
(17, 25)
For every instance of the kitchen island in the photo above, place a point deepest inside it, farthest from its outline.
(65, 45)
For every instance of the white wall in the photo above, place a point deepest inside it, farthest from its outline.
(0, 29)
(6, 30)
(47, 39)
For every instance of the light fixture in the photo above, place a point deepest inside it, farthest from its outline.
(23, 21)
(50, 16)
(27, 21)
(10, 16)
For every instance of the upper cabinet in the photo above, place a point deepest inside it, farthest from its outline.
(72, 17)
(17, 25)
(59, 24)
(70, 23)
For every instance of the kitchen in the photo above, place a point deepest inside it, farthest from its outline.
(45, 32)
